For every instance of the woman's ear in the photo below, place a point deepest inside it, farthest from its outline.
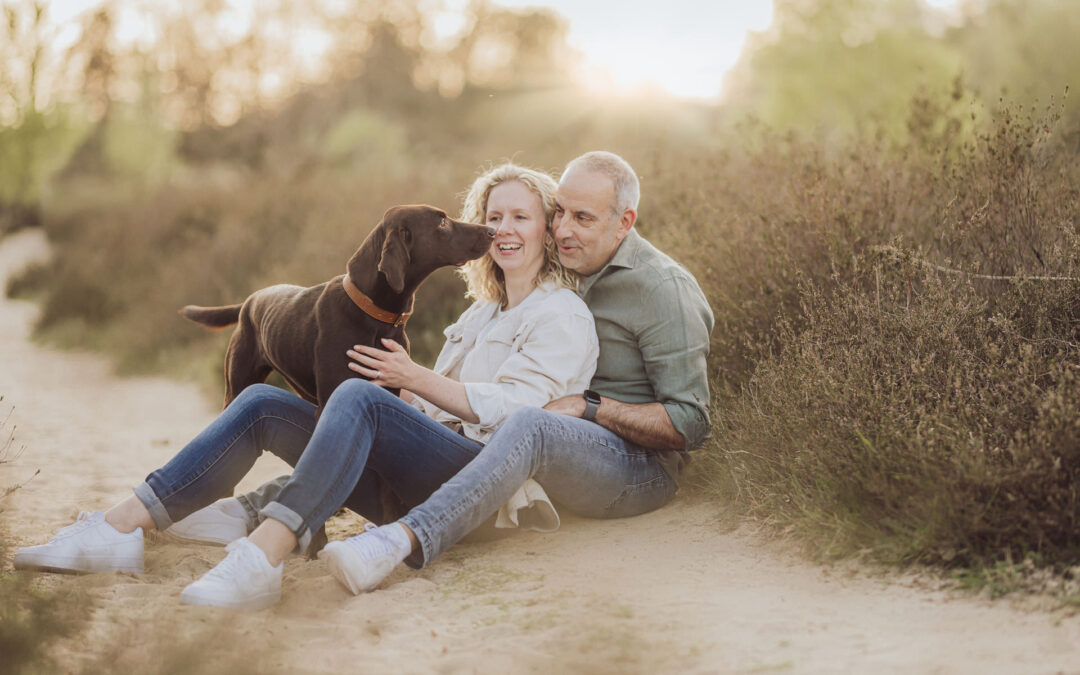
(395, 258)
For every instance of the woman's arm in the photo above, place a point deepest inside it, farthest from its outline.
(555, 355)
(393, 368)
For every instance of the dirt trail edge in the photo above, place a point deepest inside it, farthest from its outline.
(665, 592)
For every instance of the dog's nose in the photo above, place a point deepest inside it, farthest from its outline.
(491, 231)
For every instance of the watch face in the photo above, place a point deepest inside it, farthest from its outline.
(591, 396)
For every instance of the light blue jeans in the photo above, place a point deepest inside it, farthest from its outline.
(582, 466)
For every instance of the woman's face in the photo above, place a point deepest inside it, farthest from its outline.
(517, 214)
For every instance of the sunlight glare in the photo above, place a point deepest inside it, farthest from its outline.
(683, 47)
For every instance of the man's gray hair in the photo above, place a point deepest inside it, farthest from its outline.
(627, 189)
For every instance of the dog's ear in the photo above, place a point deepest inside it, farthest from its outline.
(395, 258)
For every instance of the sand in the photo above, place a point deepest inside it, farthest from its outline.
(671, 591)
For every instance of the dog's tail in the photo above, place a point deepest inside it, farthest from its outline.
(212, 317)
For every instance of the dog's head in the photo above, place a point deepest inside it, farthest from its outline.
(419, 239)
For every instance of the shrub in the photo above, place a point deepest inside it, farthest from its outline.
(914, 411)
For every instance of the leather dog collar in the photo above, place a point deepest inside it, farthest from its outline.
(370, 308)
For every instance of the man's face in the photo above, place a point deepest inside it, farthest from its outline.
(586, 228)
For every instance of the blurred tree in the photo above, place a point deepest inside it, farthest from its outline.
(94, 51)
(502, 48)
(842, 65)
(36, 135)
(1026, 50)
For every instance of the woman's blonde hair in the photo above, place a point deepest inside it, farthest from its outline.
(482, 276)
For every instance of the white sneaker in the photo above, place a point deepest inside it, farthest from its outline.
(243, 580)
(90, 544)
(361, 563)
(220, 523)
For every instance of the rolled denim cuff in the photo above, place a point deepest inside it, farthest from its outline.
(145, 494)
(252, 513)
(290, 519)
(418, 559)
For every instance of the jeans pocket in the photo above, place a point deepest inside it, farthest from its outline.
(641, 497)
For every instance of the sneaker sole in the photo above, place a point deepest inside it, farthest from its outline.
(201, 539)
(251, 604)
(44, 564)
(203, 531)
(338, 557)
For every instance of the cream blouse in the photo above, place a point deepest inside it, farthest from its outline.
(544, 348)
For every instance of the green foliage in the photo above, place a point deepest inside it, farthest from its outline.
(34, 150)
(136, 144)
(844, 66)
(362, 135)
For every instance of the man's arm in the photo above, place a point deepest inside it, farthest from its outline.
(646, 424)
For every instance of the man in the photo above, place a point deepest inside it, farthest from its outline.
(617, 450)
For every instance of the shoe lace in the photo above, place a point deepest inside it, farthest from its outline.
(372, 544)
(233, 565)
(81, 523)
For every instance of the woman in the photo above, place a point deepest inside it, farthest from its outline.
(527, 339)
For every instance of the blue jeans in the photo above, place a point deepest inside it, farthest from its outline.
(363, 434)
(452, 483)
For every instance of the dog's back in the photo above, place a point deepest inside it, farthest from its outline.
(303, 333)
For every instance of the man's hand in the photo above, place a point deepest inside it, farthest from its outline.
(646, 424)
(572, 405)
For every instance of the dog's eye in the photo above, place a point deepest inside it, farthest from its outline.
(444, 224)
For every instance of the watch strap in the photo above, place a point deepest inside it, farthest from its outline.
(592, 404)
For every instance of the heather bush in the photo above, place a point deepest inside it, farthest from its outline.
(912, 407)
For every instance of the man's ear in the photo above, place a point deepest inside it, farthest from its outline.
(394, 258)
(626, 221)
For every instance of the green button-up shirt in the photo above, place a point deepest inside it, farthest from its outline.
(653, 323)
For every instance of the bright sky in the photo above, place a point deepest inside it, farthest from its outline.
(682, 46)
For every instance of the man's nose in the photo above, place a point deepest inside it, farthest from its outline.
(557, 223)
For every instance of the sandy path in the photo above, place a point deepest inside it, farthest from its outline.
(667, 592)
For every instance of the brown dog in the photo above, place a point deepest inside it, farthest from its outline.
(303, 333)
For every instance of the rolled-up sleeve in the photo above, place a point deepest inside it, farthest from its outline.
(555, 355)
(675, 351)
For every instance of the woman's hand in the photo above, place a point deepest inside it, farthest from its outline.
(390, 367)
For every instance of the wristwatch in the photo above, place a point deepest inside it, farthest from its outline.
(592, 402)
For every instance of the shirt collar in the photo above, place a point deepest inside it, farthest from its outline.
(625, 257)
